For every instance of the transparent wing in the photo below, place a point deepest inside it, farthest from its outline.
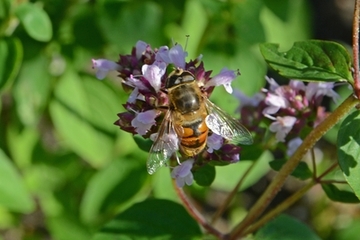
(226, 126)
(164, 146)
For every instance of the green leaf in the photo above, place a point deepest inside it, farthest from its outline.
(35, 21)
(111, 187)
(228, 176)
(205, 175)
(13, 194)
(312, 60)
(143, 144)
(151, 219)
(348, 150)
(338, 195)
(302, 171)
(285, 228)
(11, 55)
(83, 112)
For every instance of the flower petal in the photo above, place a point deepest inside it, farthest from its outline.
(103, 66)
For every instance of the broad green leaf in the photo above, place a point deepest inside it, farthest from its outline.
(11, 55)
(312, 60)
(151, 219)
(111, 187)
(302, 171)
(35, 21)
(32, 89)
(83, 112)
(285, 228)
(348, 149)
(13, 193)
(228, 176)
(205, 175)
(66, 227)
(338, 195)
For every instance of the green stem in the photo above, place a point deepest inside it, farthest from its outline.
(291, 164)
(231, 195)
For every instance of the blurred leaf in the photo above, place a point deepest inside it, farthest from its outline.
(82, 113)
(286, 26)
(248, 27)
(205, 175)
(228, 176)
(65, 228)
(11, 55)
(111, 187)
(338, 195)
(285, 228)
(151, 219)
(14, 195)
(281, 10)
(302, 171)
(35, 21)
(32, 89)
(312, 60)
(350, 231)
(162, 185)
(143, 144)
(133, 20)
(348, 149)
(4, 9)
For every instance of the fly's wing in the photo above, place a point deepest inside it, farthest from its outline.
(164, 146)
(226, 126)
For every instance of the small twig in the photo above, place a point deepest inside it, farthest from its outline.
(291, 164)
(355, 47)
(313, 160)
(331, 168)
(195, 213)
(279, 208)
(333, 181)
(231, 195)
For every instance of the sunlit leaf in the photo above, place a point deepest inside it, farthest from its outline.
(13, 194)
(35, 21)
(151, 219)
(285, 228)
(11, 54)
(348, 149)
(338, 195)
(311, 60)
(302, 171)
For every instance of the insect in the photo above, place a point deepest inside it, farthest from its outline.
(187, 121)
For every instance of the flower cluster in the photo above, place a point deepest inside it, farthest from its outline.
(292, 109)
(143, 74)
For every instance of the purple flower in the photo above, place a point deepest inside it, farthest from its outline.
(248, 101)
(176, 55)
(153, 73)
(282, 127)
(225, 77)
(214, 142)
(141, 47)
(144, 121)
(275, 102)
(316, 90)
(293, 145)
(103, 66)
(183, 174)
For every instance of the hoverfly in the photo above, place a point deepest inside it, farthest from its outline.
(187, 121)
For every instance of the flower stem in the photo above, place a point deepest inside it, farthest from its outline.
(280, 208)
(291, 164)
(289, 201)
(355, 47)
(231, 195)
(195, 213)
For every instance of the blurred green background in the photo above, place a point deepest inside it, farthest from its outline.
(65, 169)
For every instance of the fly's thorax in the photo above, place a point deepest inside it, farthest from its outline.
(186, 98)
